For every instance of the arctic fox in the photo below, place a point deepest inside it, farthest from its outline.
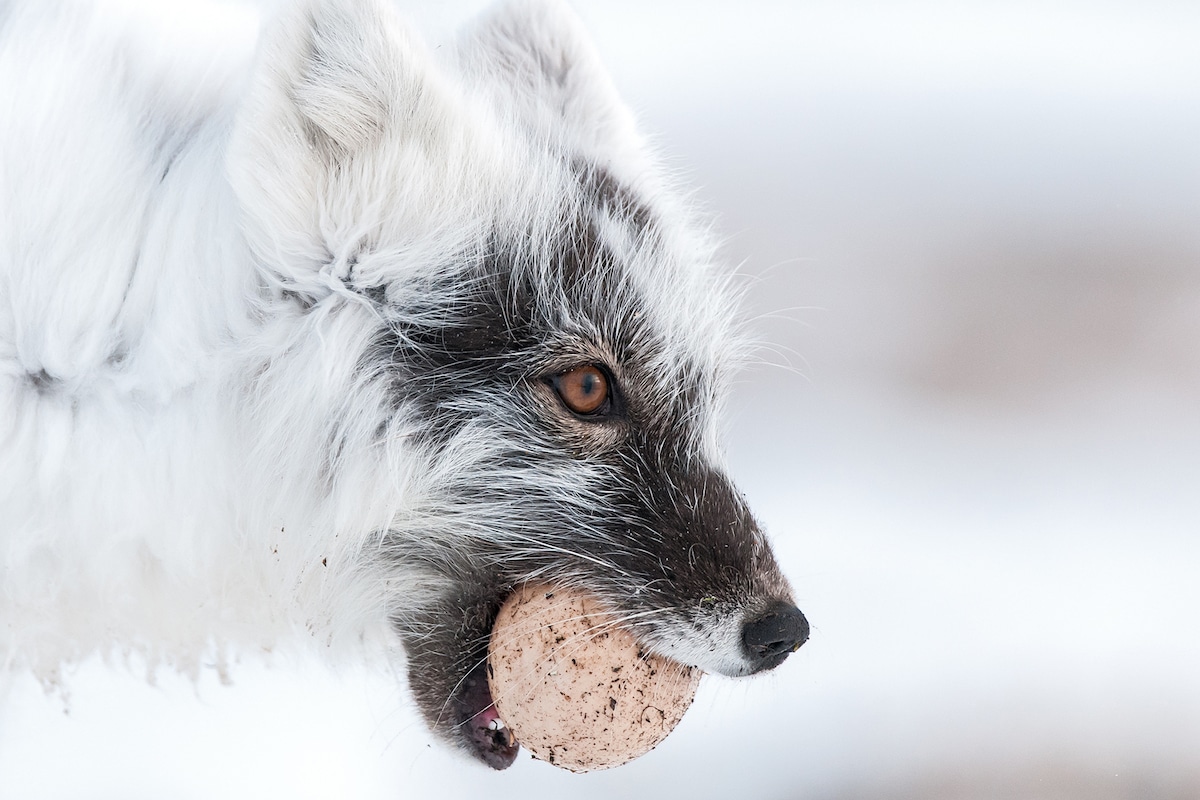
(343, 337)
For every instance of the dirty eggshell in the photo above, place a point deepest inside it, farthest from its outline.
(575, 688)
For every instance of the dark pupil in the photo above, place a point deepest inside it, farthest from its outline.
(588, 385)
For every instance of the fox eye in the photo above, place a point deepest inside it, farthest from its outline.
(584, 390)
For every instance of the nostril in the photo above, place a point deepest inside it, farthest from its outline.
(771, 637)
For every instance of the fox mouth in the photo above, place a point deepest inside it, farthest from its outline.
(484, 733)
(767, 639)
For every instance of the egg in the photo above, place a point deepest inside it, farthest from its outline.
(574, 686)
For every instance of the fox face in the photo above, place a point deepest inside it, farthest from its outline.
(549, 342)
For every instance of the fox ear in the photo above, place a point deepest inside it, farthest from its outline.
(337, 84)
(536, 56)
(346, 78)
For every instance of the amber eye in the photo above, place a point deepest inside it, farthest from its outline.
(584, 390)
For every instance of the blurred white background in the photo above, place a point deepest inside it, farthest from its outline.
(973, 235)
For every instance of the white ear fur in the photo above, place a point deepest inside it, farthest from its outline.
(339, 90)
(348, 76)
(537, 56)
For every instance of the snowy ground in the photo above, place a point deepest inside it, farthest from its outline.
(973, 231)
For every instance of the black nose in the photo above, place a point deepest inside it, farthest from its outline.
(772, 637)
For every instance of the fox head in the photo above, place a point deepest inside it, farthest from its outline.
(536, 340)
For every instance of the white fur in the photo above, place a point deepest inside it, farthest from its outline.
(188, 461)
